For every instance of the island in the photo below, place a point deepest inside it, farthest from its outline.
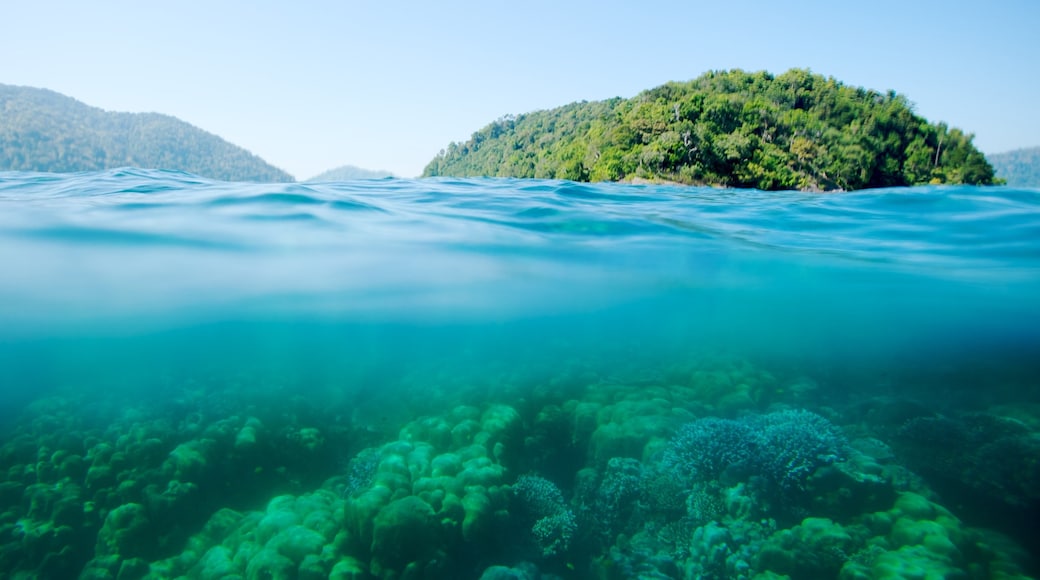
(796, 130)
(350, 172)
(41, 130)
(1019, 167)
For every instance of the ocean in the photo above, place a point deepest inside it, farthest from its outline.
(501, 378)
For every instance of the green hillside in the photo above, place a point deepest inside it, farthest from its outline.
(41, 130)
(797, 130)
(1021, 167)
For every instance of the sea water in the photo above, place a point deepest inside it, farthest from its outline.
(210, 379)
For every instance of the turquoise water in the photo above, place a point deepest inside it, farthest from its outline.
(367, 379)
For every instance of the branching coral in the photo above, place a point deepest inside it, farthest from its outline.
(794, 444)
(783, 448)
(705, 448)
(554, 524)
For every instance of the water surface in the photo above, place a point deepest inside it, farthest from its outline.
(342, 317)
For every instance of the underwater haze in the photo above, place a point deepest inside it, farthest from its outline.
(502, 378)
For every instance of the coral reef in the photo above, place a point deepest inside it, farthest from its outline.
(792, 445)
(554, 522)
(636, 474)
(706, 448)
(781, 449)
(985, 463)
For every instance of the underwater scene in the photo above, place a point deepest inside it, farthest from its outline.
(515, 379)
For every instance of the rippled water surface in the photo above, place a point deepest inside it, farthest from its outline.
(144, 243)
(345, 316)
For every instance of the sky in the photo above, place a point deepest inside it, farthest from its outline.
(309, 85)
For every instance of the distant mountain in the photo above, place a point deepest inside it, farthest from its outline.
(1021, 167)
(348, 172)
(41, 130)
(797, 130)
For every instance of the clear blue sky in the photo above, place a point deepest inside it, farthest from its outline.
(309, 85)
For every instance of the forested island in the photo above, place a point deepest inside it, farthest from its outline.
(41, 130)
(1020, 168)
(797, 130)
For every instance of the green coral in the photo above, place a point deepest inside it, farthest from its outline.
(435, 498)
(124, 532)
(915, 539)
(294, 537)
(421, 502)
(404, 532)
(816, 548)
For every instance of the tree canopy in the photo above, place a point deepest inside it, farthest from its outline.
(798, 130)
(41, 130)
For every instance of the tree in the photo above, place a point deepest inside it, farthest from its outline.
(730, 128)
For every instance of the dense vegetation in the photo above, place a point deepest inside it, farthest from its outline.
(797, 130)
(348, 172)
(41, 130)
(1020, 168)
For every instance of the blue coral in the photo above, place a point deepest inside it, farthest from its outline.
(608, 503)
(706, 448)
(620, 487)
(794, 444)
(555, 524)
(782, 448)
